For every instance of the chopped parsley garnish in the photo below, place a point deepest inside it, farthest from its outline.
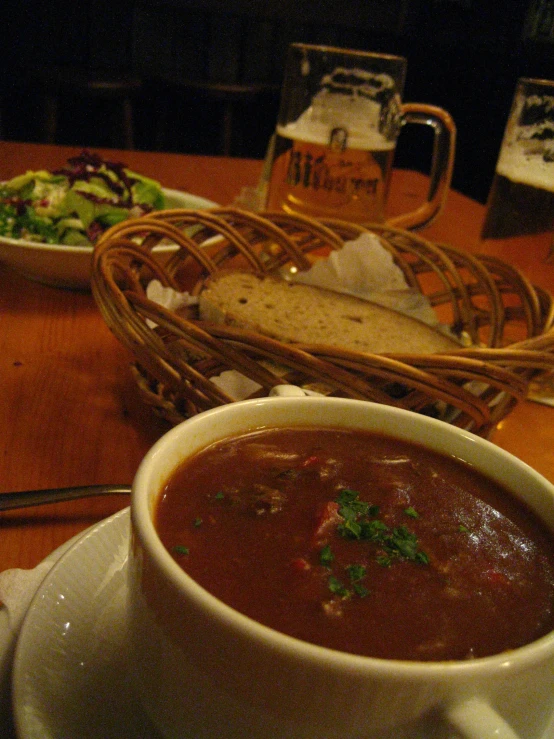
(360, 522)
(351, 507)
(219, 496)
(350, 529)
(197, 522)
(372, 530)
(422, 558)
(402, 541)
(356, 572)
(360, 590)
(326, 556)
(337, 588)
(181, 550)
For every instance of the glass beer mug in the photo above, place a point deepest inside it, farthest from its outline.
(339, 119)
(520, 206)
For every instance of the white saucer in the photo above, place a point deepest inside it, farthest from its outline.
(69, 674)
(8, 640)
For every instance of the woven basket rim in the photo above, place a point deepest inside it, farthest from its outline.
(484, 297)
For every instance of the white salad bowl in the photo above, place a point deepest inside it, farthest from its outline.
(70, 266)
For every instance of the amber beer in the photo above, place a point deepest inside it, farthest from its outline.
(520, 209)
(314, 177)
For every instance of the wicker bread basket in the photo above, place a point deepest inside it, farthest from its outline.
(508, 321)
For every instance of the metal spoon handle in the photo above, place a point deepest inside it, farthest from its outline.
(55, 495)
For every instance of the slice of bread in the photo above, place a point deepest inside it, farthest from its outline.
(298, 313)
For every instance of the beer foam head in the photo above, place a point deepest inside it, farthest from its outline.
(527, 154)
(364, 104)
(529, 159)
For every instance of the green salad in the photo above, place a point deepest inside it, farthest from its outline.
(76, 204)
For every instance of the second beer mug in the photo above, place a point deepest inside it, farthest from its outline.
(339, 119)
(520, 206)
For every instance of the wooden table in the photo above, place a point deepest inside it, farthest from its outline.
(69, 411)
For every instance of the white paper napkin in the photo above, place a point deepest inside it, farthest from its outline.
(17, 588)
(365, 269)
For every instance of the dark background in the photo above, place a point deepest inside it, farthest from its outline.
(464, 55)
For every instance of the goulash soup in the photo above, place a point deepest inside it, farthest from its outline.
(362, 543)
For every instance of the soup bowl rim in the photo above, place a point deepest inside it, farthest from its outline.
(143, 530)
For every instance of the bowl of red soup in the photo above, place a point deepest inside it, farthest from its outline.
(321, 568)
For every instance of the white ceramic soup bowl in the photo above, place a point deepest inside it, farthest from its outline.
(205, 671)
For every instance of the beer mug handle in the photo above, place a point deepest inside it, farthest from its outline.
(442, 163)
